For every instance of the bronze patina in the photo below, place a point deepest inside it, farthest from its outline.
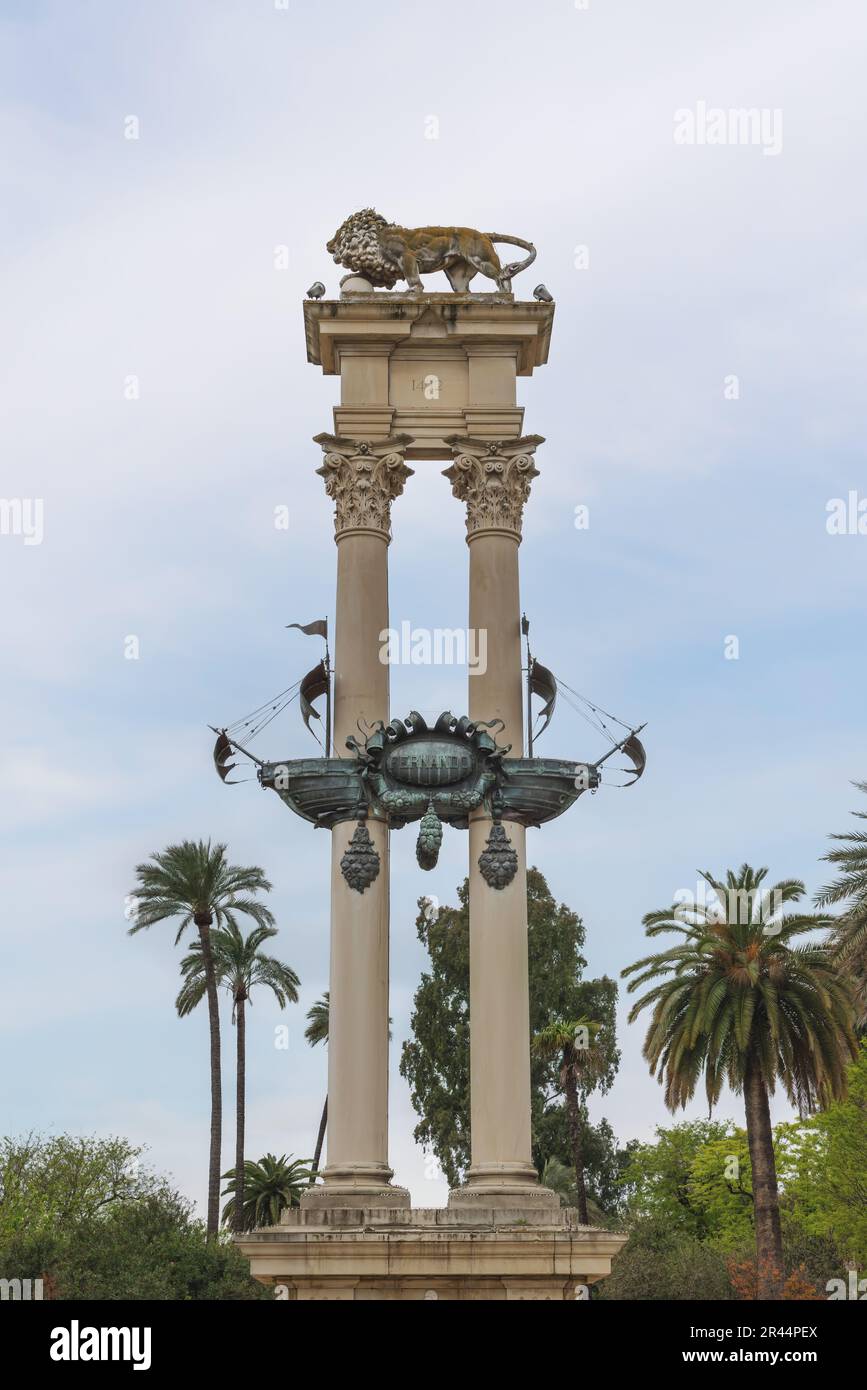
(498, 862)
(409, 768)
(360, 863)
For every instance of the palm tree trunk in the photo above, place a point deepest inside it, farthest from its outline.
(320, 1139)
(766, 1206)
(240, 1105)
(573, 1113)
(216, 1085)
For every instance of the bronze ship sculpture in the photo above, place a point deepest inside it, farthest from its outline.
(406, 771)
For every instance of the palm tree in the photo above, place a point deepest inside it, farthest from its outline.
(560, 1178)
(194, 881)
(317, 1032)
(849, 932)
(270, 1186)
(742, 1004)
(582, 1065)
(239, 964)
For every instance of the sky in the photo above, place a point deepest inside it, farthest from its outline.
(704, 400)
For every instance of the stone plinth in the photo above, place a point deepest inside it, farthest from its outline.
(430, 365)
(472, 1252)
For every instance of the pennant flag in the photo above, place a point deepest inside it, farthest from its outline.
(319, 628)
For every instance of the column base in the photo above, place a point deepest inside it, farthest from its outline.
(531, 1203)
(505, 1186)
(359, 1186)
(369, 1254)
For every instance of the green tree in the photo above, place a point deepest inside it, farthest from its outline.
(661, 1262)
(824, 1169)
(435, 1061)
(656, 1177)
(586, 1059)
(849, 932)
(193, 881)
(270, 1185)
(317, 1032)
(240, 964)
(560, 1177)
(739, 1003)
(551, 1123)
(149, 1248)
(51, 1182)
(720, 1190)
(604, 1159)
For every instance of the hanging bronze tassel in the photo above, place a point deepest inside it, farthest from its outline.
(360, 863)
(498, 862)
(430, 837)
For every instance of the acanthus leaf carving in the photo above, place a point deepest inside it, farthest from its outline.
(493, 477)
(363, 477)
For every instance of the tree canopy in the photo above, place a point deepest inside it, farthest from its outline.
(86, 1217)
(436, 1060)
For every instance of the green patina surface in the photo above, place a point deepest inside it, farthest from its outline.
(403, 769)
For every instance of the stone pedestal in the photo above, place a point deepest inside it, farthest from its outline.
(480, 1253)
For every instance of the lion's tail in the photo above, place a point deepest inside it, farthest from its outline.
(516, 241)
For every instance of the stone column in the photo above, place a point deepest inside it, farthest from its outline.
(493, 478)
(363, 478)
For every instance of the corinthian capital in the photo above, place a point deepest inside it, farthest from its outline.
(363, 477)
(493, 477)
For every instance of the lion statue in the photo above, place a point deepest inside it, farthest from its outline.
(384, 253)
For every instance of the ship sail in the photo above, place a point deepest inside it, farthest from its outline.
(634, 750)
(313, 685)
(543, 682)
(222, 752)
(317, 682)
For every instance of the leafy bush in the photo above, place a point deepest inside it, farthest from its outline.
(661, 1262)
(83, 1216)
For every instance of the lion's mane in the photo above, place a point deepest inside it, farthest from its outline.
(357, 245)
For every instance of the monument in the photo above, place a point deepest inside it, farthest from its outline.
(426, 377)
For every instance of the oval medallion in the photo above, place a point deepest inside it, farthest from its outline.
(422, 762)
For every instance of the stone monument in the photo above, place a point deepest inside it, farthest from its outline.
(424, 377)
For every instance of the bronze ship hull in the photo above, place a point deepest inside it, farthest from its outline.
(326, 791)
